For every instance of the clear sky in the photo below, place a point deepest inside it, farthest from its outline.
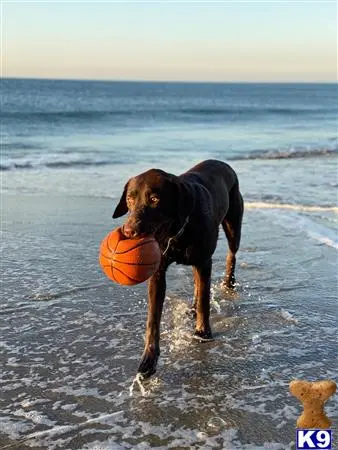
(208, 41)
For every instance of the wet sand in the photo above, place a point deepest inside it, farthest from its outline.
(71, 339)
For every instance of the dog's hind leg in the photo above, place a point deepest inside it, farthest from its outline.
(196, 291)
(232, 226)
(202, 275)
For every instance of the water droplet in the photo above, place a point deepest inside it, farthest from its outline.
(217, 424)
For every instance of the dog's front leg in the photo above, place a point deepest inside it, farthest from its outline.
(156, 294)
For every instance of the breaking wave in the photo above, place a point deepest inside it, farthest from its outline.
(289, 154)
(62, 161)
(292, 207)
(159, 111)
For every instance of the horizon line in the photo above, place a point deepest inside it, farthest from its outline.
(135, 80)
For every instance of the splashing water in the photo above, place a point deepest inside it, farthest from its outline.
(179, 320)
(151, 384)
(138, 381)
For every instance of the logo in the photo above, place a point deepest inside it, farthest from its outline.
(313, 439)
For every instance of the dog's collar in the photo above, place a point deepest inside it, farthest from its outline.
(174, 238)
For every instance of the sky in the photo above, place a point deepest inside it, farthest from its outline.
(267, 41)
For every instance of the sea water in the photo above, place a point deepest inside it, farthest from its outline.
(71, 340)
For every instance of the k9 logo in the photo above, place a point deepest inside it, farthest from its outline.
(313, 439)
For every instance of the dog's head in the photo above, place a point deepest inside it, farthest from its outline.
(153, 198)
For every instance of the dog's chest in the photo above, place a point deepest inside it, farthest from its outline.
(192, 248)
(185, 256)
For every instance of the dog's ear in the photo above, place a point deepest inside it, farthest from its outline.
(122, 208)
(183, 200)
(186, 199)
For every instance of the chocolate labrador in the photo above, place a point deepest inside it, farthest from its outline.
(183, 213)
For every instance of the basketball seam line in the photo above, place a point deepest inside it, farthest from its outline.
(109, 258)
(111, 261)
(108, 246)
(134, 264)
(127, 276)
(132, 248)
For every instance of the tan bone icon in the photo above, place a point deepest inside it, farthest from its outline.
(313, 395)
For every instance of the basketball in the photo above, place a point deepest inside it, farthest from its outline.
(129, 261)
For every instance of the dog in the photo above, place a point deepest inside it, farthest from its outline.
(183, 213)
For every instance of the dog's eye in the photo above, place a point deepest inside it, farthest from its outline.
(130, 199)
(154, 199)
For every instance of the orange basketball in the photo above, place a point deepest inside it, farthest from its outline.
(129, 261)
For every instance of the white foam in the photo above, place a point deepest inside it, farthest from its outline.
(14, 428)
(35, 438)
(69, 406)
(34, 416)
(314, 230)
(267, 446)
(177, 325)
(218, 423)
(307, 208)
(138, 381)
(27, 403)
(105, 419)
(59, 429)
(107, 445)
(288, 316)
(152, 384)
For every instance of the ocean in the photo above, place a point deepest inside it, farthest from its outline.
(71, 339)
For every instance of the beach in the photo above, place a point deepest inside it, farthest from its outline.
(72, 339)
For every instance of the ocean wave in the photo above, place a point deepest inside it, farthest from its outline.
(19, 144)
(316, 231)
(293, 207)
(289, 216)
(287, 154)
(83, 163)
(249, 110)
(143, 112)
(49, 116)
(64, 160)
(31, 165)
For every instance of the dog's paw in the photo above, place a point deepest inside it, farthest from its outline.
(148, 363)
(203, 336)
(229, 284)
